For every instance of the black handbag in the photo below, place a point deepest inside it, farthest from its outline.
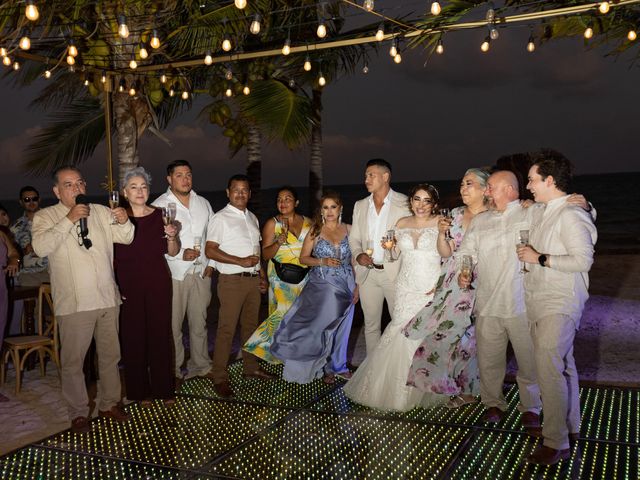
(290, 273)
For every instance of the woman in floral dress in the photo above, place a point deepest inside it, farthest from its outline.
(445, 364)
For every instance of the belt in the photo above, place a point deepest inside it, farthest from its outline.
(244, 274)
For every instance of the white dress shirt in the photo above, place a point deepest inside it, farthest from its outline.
(377, 223)
(491, 239)
(566, 234)
(238, 233)
(194, 222)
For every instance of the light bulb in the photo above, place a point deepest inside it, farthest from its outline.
(185, 95)
(71, 60)
(144, 53)
(123, 30)
(132, 91)
(322, 29)
(86, 82)
(255, 25)
(321, 80)
(365, 69)
(226, 44)
(72, 68)
(435, 8)
(380, 33)
(491, 15)
(240, 4)
(493, 33)
(3, 52)
(397, 58)
(246, 90)
(155, 39)
(588, 33)
(6, 61)
(485, 45)
(604, 7)
(31, 11)
(228, 74)
(368, 5)
(286, 48)
(208, 59)
(133, 64)
(172, 92)
(531, 46)
(228, 92)
(25, 43)
(440, 47)
(632, 35)
(121, 85)
(393, 51)
(163, 78)
(73, 50)
(16, 65)
(307, 64)
(47, 74)
(103, 77)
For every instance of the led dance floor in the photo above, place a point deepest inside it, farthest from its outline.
(277, 430)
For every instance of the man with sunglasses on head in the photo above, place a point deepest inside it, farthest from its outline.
(34, 268)
(78, 238)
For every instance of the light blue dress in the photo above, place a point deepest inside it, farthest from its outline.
(313, 335)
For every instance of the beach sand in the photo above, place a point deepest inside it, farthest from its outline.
(607, 351)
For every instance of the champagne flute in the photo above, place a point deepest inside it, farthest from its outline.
(388, 243)
(523, 241)
(446, 213)
(197, 244)
(114, 202)
(285, 229)
(369, 251)
(166, 218)
(173, 210)
(466, 269)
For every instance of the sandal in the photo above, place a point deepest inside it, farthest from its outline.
(457, 401)
(329, 378)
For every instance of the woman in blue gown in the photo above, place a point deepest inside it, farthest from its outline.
(313, 335)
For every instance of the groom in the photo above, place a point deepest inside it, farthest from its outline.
(372, 217)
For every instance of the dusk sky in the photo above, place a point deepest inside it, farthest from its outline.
(462, 109)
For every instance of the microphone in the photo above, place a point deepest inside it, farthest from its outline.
(84, 228)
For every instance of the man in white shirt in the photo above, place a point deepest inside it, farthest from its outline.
(373, 216)
(233, 242)
(190, 270)
(85, 295)
(559, 257)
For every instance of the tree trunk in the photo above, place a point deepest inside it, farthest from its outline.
(315, 163)
(254, 167)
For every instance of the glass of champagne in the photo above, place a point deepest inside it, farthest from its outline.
(114, 202)
(369, 251)
(388, 243)
(166, 218)
(466, 269)
(446, 213)
(173, 210)
(523, 241)
(197, 244)
(285, 229)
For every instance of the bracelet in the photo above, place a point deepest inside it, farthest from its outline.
(321, 261)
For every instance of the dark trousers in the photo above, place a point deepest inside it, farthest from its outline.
(239, 300)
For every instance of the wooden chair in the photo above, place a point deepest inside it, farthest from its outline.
(46, 341)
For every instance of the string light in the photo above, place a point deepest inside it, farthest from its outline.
(86, 82)
(368, 5)
(121, 85)
(603, 7)
(493, 32)
(380, 33)
(531, 46)
(31, 12)
(365, 68)
(103, 77)
(246, 90)
(132, 90)
(632, 35)
(172, 92)
(155, 39)
(123, 30)
(588, 33)
(3, 52)
(397, 58)
(255, 24)
(226, 44)
(240, 4)
(321, 31)
(486, 44)
(208, 59)
(47, 74)
(71, 60)
(440, 47)
(228, 92)
(25, 42)
(185, 95)
(491, 14)
(16, 65)
(163, 78)
(307, 64)
(435, 8)
(72, 68)
(393, 51)
(6, 60)
(321, 80)
(72, 49)
(228, 74)
(144, 53)
(286, 48)
(133, 64)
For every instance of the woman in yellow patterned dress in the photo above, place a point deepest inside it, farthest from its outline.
(282, 238)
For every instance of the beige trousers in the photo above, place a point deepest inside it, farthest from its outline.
(553, 347)
(191, 296)
(492, 337)
(76, 331)
(378, 287)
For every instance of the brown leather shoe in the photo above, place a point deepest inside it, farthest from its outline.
(544, 455)
(492, 415)
(260, 374)
(223, 389)
(80, 425)
(530, 420)
(116, 412)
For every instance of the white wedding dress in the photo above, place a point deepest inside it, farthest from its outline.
(381, 380)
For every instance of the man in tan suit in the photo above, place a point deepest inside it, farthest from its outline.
(372, 217)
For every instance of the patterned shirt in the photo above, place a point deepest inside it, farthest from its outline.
(31, 263)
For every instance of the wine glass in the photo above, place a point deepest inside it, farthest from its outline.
(369, 251)
(523, 241)
(166, 218)
(285, 229)
(173, 210)
(466, 269)
(114, 202)
(388, 243)
(197, 244)
(446, 213)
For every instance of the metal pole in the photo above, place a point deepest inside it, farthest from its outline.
(107, 125)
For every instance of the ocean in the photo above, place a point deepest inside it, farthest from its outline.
(616, 197)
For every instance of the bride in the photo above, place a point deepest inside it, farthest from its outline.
(381, 381)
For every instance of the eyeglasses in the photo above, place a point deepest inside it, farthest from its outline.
(31, 199)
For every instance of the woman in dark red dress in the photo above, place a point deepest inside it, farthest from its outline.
(145, 286)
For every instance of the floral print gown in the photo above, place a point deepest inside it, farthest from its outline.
(445, 363)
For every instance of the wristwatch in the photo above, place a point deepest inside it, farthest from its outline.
(542, 260)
